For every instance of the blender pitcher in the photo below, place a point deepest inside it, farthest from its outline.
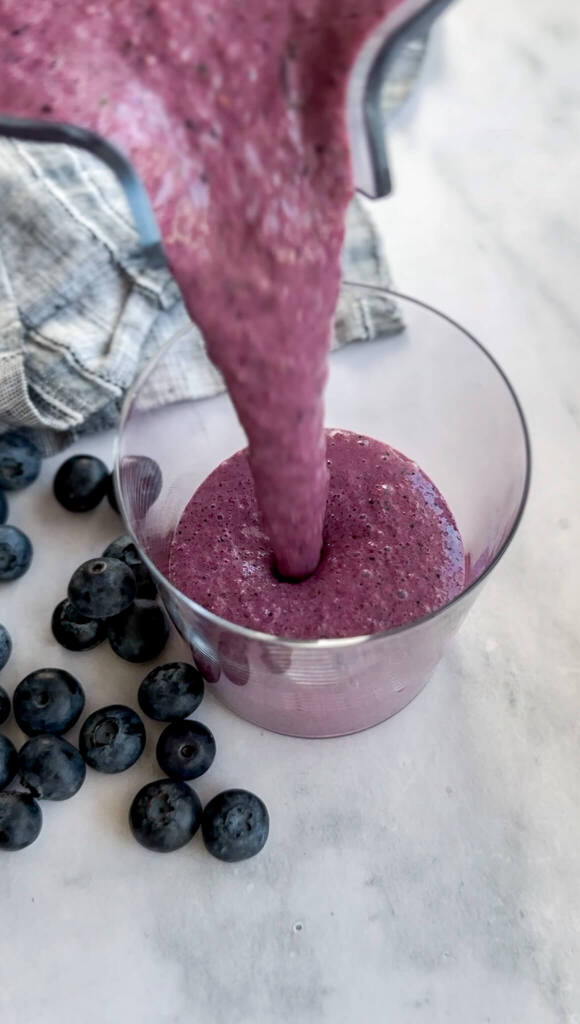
(409, 20)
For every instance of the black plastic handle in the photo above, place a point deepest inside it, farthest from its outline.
(374, 123)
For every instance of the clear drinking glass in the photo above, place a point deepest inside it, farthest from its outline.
(434, 393)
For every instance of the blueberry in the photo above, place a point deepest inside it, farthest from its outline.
(141, 479)
(20, 820)
(185, 750)
(48, 700)
(73, 631)
(172, 691)
(3, 508)
(235, 825)
(102, 587)
(4, 706)
(112, 739)
(276, 659)
(81, 483)
(51, 768)
(125, 550)
(233, 655)
(15, 553)
(165, 815)
(139, 633)
(19, 461)
(5, 647)
(8, 761)
(205, 660)
(112, 494)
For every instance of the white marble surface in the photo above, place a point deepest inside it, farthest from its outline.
(425, 871)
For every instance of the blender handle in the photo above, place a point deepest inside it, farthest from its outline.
(374, 179)
(135, 191)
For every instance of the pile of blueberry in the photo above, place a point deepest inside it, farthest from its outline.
(113, 597)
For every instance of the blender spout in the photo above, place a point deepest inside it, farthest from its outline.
(365, 120)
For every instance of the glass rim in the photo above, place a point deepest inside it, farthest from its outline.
(326, 643)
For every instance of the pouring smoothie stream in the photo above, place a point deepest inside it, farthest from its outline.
(235, 117)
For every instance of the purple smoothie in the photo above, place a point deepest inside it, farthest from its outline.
(392, 552)
(234, 114)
